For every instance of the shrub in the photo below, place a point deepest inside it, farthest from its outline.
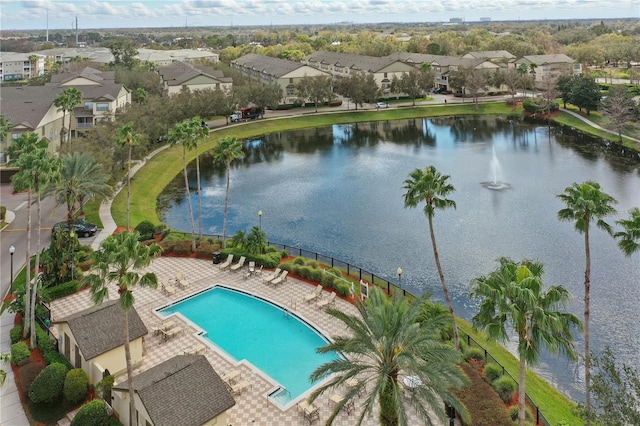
(342, 287)
(299, 260)
(15, 333)
(3, 212)
(492, 371)
(92, 414)
(505, 387)
(328, 280)
(483, 404)
(474, 353)
(513, 413)
(28, 374)
(48, 385)
(103, 387)
(64, 289)
(312, 263)
(305, 272)
(182, 247)
(19, 352)
(296, 269)
(284, 254)
(146, 230)
(316, 275)
(76, 385)
(336, 271)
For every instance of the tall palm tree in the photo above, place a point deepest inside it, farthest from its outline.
(199, 133)
(629, 239)
(513, 295)
(227, 150)
(585, 203)
(432, 188)
(80, 179)
(386, 342)
(24, 152)
(118, 261)
(188, 133)
(126, 137)
(67, 101)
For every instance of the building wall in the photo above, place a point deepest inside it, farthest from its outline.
(200, 82)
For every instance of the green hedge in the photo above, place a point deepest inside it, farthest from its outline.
(15, 333)
(48, 351)
(19, 352)
(92, 414)
(48, 385)
(492, 371)
(76, 385)
(474, 353)
(64, 289)
(505, 386)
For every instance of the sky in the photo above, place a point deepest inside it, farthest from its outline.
(93, 14)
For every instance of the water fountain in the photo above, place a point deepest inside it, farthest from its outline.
(496, 173)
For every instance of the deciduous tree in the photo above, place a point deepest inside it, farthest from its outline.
(618, 108)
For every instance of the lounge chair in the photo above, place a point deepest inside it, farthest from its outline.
(282, 278)
(259, 271)
(273, 276)
(159, 328)
(230, 376)
(171, 333)
(349, 406)
(167, 288)
(238, 265)
(313, 295)
(195, 349)
(250, 271)
(326, 302)
(240, 387)
(226, 263)
(310, 411)
(182, 282)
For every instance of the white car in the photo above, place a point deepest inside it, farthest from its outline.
(382, 105)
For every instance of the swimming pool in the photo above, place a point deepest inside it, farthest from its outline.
(249, 328)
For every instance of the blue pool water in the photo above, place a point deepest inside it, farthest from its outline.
(252, 329)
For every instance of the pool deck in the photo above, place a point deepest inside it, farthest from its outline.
(252, 406)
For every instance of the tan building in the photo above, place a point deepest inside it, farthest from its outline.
(180, 75)
(268, 70)
(501, 57)
(92, 340)
(20, 66)
(167, 57)
(548, 68)
(184, 390)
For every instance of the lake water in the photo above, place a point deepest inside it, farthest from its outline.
(337, 190)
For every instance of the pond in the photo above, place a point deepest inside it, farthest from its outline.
(337, 190)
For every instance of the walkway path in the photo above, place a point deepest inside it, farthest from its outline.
(594, 125)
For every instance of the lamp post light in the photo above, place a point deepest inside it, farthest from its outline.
(12, 250)
(72, 236)
(399, 271)
(260, 219)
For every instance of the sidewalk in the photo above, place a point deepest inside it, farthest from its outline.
(595, 126)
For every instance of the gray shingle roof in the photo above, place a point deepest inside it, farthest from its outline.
(179, 73)
(348, 60)
(492, 54)
(27, 105)
(268, 65)
(548, 59)
(184, 390)
(99, 329)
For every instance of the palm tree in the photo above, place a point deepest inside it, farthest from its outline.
(188, 133)
(430, 186)
(67, 101)
(126, 137)
(5, 127)
(256, 240)
(80, 179)
(585, 203)
(629, 241)
(118, 261)
(513, 295)
(227, 150)
(384, 343)
(199, 132)
(140, 95)
(24, 152)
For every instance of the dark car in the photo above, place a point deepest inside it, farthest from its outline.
(81, 228)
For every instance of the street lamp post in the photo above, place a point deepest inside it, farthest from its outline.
(12, 250)
(399, 271)
(72, 236)
(260, 228)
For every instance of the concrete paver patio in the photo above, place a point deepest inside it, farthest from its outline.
(252, 406)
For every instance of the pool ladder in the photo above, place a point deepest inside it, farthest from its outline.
(292, 307)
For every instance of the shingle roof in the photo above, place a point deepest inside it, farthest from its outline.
(268, 65)
(548, 59)
(492, 54)
(179, 73)
(184, 390)
(348, 60)
(27, 105)
(99, 329)
(88, 73)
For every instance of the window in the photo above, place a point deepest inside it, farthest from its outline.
(102, 107)
(291, 81)
(78, 363)
(88, 106)
(291, 92)
(385, 75)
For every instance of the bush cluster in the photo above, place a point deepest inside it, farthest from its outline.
(492, 371)
(63, 289)
(48, 385)
(15, 333)
(19, 353)
(146, 229)
(483, 404)
(474, 353)
(48, 351)
(76, 385)
(505, 387)
(28, 374)
(93, 413)
(310, 270)
(513, 413)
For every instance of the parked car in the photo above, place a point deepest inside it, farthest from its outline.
(81, 228)
(382, 105)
